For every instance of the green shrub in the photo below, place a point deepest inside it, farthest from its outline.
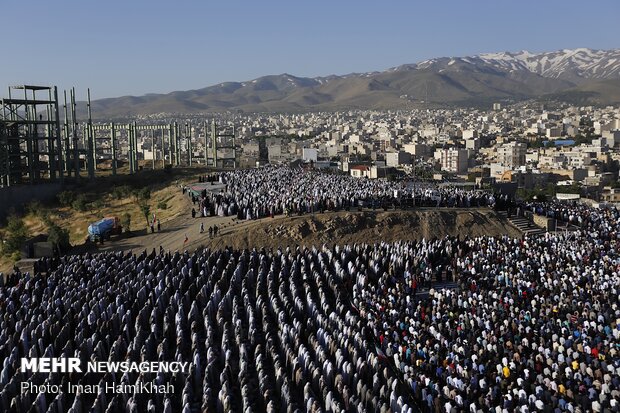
(15, 256)
(122, 191)
(66, 198)
(16, 235)
(45, 216)
(34, 208)
(126, 221)
(59, 237)
(143, 194)
(79, 203)
(162, 205)
(97, 204)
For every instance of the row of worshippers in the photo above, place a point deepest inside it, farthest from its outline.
(533, 326)
(274, 190)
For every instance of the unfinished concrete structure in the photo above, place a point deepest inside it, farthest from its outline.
(31, 150)
(38, 145)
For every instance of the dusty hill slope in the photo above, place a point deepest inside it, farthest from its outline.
(360, 227)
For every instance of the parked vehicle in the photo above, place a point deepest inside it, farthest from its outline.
(104, 229)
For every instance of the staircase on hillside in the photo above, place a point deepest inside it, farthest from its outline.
(524, 225)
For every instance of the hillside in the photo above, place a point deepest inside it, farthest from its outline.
(574, 75)
(314, 230)
(601, 92)
(367, 227)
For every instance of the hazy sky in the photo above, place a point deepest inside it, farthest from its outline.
(133, 47)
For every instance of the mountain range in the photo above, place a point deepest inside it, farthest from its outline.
(581, 76)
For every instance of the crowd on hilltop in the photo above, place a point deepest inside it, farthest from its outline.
(274, 190)
(534, 325)
(597, 221)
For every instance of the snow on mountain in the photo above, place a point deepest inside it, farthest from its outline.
(570, 64)
(580, 63)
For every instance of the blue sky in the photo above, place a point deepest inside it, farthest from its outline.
(133, 47)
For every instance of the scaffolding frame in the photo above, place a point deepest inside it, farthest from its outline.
(31, 147)
(223, 148)
(37, 146)
(114, 132)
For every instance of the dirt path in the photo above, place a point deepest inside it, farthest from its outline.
(327, 228)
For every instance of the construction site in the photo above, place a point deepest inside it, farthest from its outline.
(43, 141)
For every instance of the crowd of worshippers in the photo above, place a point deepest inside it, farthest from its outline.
(533, 325)
(275, 190)
(593, 220)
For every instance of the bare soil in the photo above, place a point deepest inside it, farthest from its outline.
(327, 228)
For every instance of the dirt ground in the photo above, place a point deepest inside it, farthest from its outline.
(327, 228)
(330, 228)
(165, 191)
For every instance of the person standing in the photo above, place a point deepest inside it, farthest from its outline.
(202, 227)
(158, 226)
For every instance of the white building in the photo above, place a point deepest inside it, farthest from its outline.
(417, 149)
(613, 137)
(470, 134)
(310, 154)
(453, 160)
(360, 171)
(473, 144)
(397, 158)
(512, 154)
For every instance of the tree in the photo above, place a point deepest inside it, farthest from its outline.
(535, 144)
(145, 193)
(580, 139)
(17, 233)
(542, 197)
(146, 211)
(141, 195)
(59, 237)
(569, 189)
(126, 222)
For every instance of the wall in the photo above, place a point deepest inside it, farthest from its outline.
(544, 222)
